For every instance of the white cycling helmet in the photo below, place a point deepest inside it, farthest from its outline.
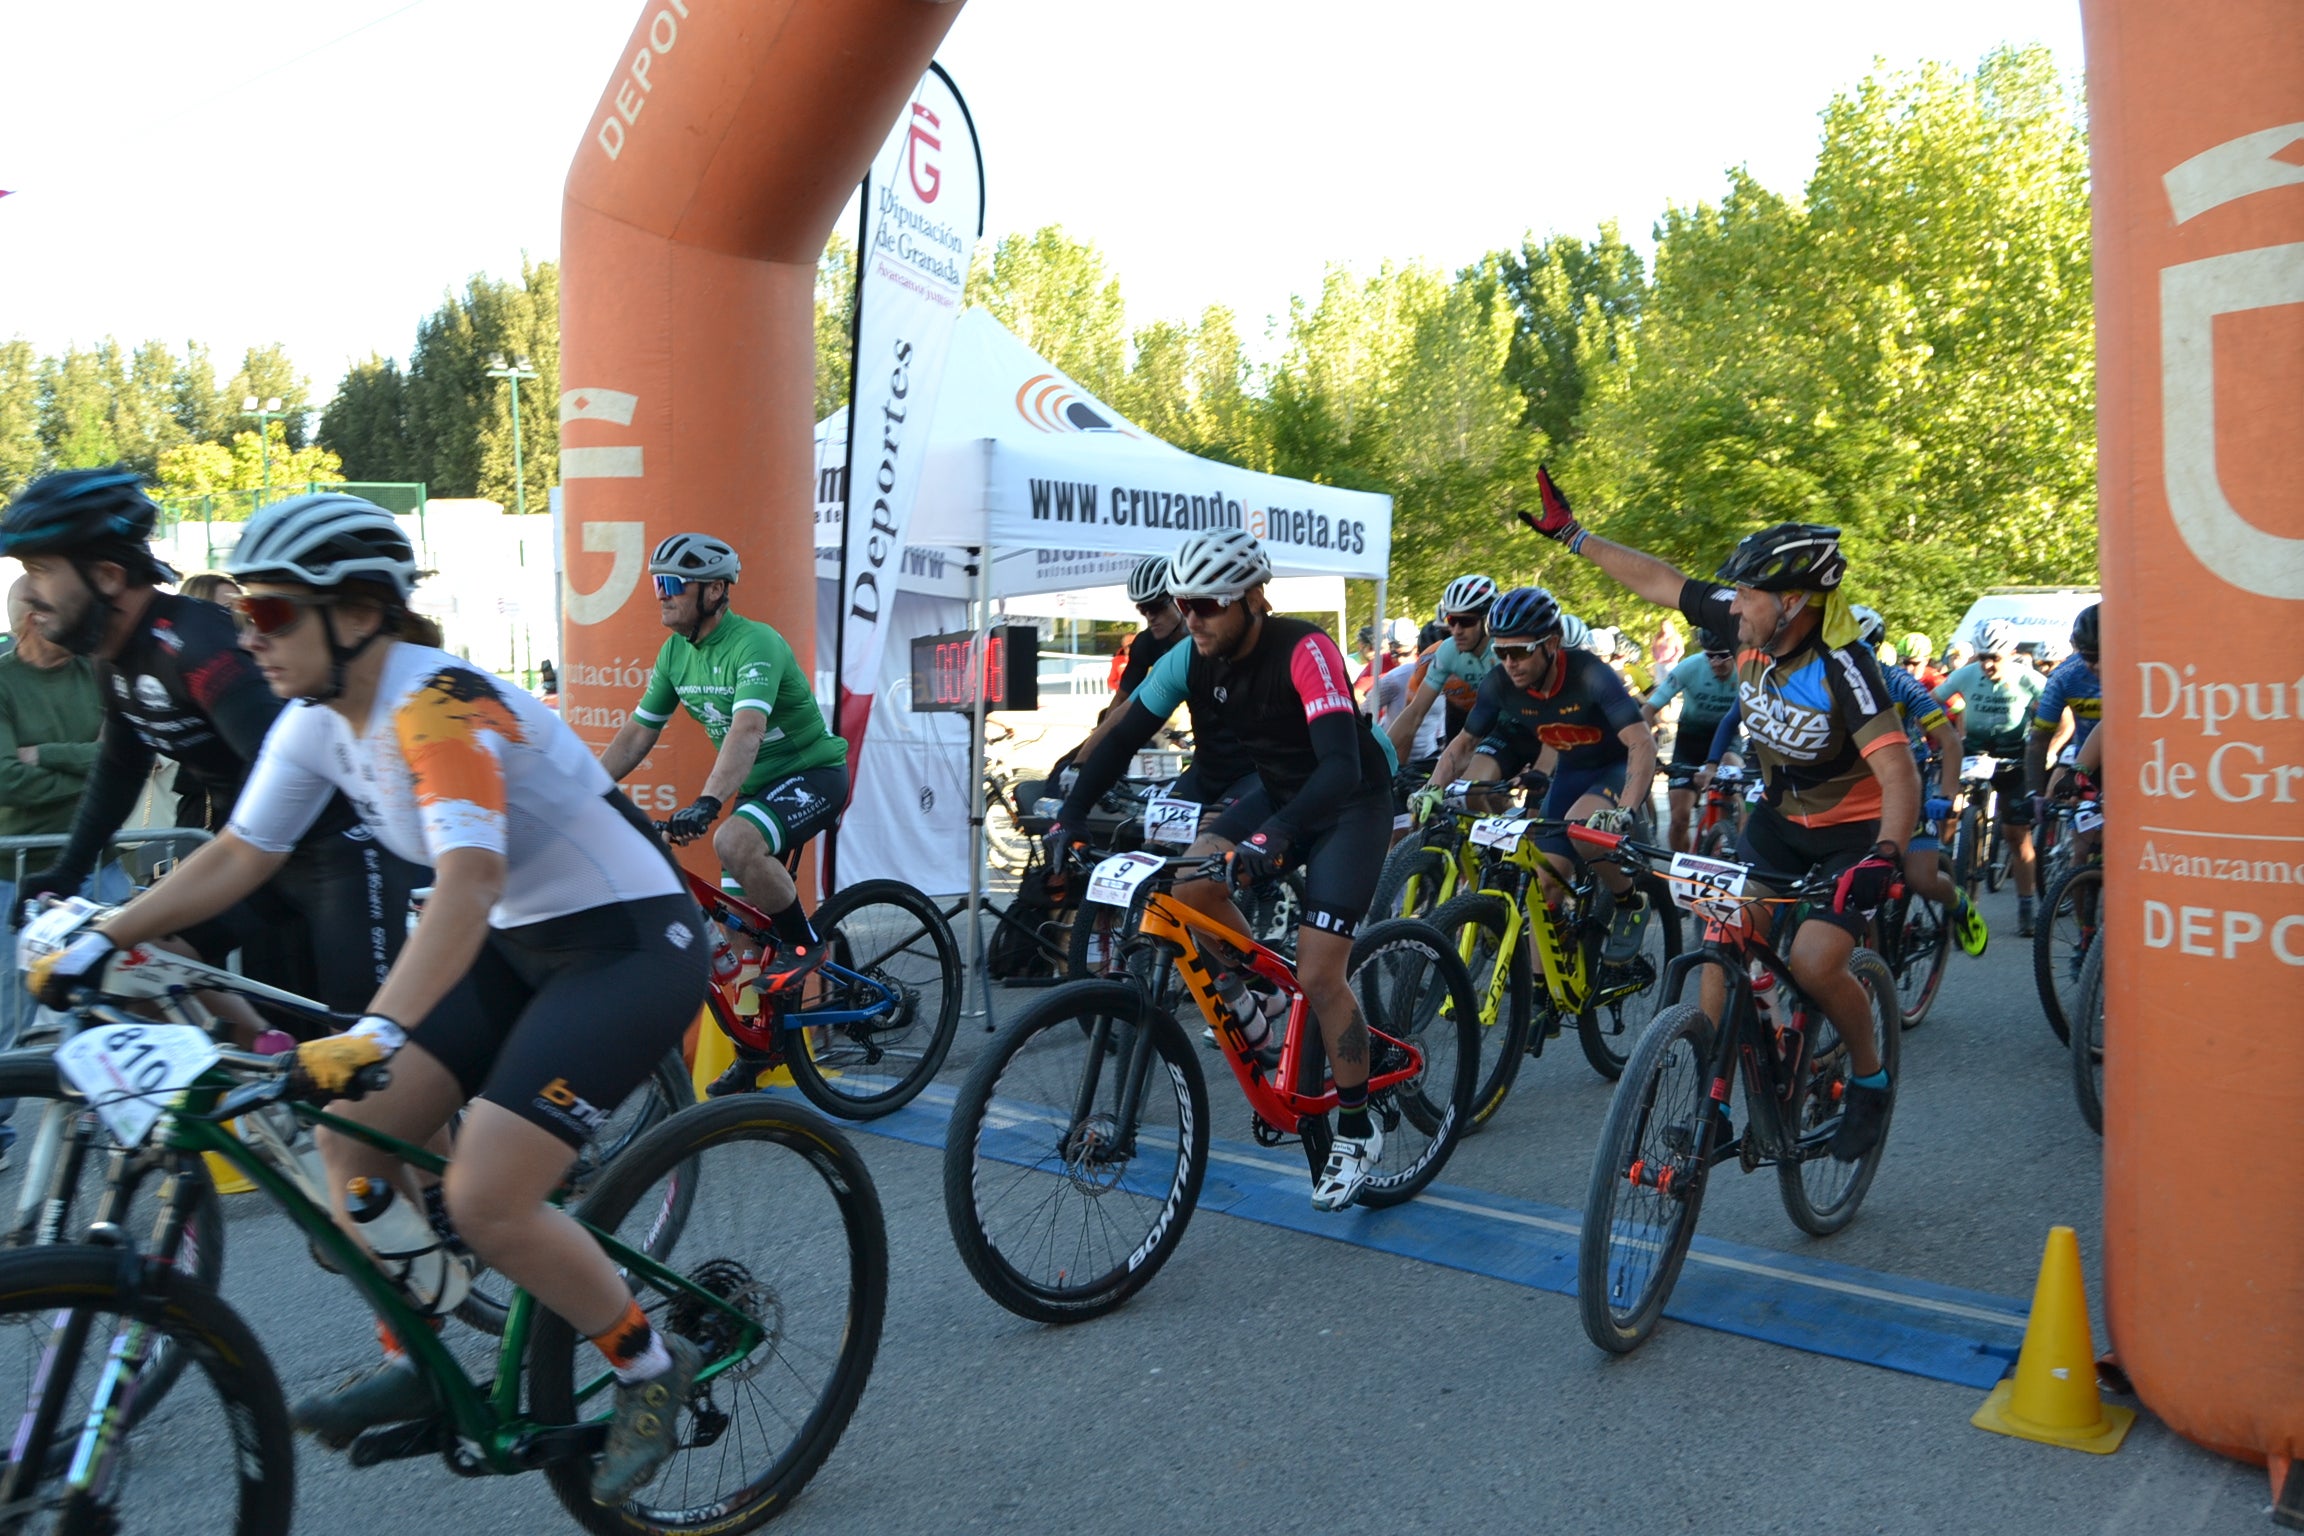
(1404, 633)
(695, 557)
(1996, 637)
(324, 540)
(1148, 583)
(1467, 594)
(1870, 627)
(1223, 562)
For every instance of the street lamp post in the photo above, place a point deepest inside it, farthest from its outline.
(514, 371)
(263, 412)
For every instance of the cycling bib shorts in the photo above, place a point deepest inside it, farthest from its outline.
(797, 806)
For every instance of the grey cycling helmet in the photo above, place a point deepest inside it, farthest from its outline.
(1148, 583)
(1467, 594)
(325, 540)
(1575, 634)
(695, 557)
(1223, 562)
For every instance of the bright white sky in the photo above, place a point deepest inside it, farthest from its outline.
(318, 173)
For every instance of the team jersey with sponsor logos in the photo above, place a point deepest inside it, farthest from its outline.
(453, 758)
(743, 664)
(1709, 698)
(1216, 752)
(1454, 671)
(1992, 710)
(2073, 686)
(1579, 716)
(1268, 700)
(1812, 718)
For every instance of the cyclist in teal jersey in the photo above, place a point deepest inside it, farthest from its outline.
(786, 773)
(1706, 684)
(1991, 699)
(1453, 668)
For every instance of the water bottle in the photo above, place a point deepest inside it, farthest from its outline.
(1764, 994)
(725, 965)
(406, 1247)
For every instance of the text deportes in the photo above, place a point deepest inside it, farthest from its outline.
(663, 32)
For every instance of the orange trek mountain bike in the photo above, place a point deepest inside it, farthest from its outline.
(1077, 1145)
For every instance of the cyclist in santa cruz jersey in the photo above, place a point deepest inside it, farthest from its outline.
(786, 773)
(1841, 790)
(1283, 688)
(1991, 700)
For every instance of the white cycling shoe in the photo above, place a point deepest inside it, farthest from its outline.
(1350, 1160)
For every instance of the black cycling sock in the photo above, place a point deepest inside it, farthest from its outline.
(1352, 1111)
(792, 925)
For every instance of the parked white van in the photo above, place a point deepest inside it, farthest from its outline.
(2038, 614)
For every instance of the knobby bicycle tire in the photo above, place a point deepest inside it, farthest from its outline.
(678, 1143)
(922, 924)
(2056, 964)
(1038, 1152)
(1414, 861)
(1804, 1184)
(57, 1278)
(1967, 854)
(1439, 1015)
(1917, 937)
(1480, 918)
(2087, 1040)
(1662, 1095)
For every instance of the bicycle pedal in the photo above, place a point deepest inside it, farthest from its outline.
(399, 1442)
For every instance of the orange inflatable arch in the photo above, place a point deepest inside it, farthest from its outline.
(731, 134)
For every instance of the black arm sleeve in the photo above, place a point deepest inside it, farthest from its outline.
(1101, 769)
(123, 762)
(1335, 775)
(242, 710)
(1705, 605)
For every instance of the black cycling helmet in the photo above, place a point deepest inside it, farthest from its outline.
(1524, 612)
(1790, 557)
(2084, 631)
(1430, 635)
(1713, 643)
(87, 515)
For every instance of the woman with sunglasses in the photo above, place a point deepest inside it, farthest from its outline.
(330, 921)
(558, 958)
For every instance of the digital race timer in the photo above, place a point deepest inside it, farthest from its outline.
(944, 677)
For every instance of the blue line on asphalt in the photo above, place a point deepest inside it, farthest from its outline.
(1896, 1321)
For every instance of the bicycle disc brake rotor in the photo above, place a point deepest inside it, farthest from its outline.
(716, 1331)
(1093, 1160)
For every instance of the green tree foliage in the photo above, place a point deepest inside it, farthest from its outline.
(367, 423)
(1576, 303)
(76, 390)
(20, 447)
(835, 323)
(266, 374)
(1059, 296)
(220, 470)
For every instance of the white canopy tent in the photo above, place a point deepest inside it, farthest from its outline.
(1062, 493)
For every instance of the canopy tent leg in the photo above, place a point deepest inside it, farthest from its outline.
(982, 571)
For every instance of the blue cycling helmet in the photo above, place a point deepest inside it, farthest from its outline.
(1524, 612)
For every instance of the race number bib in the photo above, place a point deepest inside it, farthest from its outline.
(1709, 887)
(1502, 833)
(1114, 881)
(1979, 767)
(129, 1071)
(47, 933)
(1171, 823)
(2088, 818)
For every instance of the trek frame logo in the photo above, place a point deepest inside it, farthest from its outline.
(918, 165)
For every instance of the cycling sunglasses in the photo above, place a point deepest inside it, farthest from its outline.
(1464, 620)
(1517, 652)
(1204, 607)
(671, 586)
(271, 614)
(1157, 607)
(1719, 655)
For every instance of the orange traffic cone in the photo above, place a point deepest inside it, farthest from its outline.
(2053, 1398)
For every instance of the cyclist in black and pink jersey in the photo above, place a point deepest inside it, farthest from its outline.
(1325, 799)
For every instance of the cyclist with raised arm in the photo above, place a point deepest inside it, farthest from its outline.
(330, 920)
(1451, 669)
(1840, 782)
(1567, 712)
(1991, 699)
(557, 960)
(1706, 685)
(785, 772)
(1325, 803)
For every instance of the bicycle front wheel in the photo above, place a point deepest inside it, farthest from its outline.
(1820, 1192)
(1413, 880)
(77, 1325)
(1647, 1182)
(1414, 991)
(883, 1010)
(1920, 944)
(1968, 850)
(1475, 925)
(785, 1259)
(2070, 915)
(1075, 1151)
(2088, 1040)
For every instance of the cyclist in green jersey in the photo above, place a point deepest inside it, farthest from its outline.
(786, 773)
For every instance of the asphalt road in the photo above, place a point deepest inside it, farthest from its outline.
(1273, 1381)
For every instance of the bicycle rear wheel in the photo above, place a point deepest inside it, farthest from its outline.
(892, 967)
(1820, 1192)
(72, 1319)
(1625, 997)
(1919, 944)
(2088, 1040)
(789, 1245)
(2070, 915)
(1647, 1182)
(1475, 925)
(1413, 990)
(1075, 1151)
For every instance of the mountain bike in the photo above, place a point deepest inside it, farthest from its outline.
(1726, 799)
(1076, 1147)
(2087, 1039)
(1099, 940)
(2071, 915)
(1670, 1125)
(874, 1021)
(1497, 927)
(781, 1286)
(1981, 852)
(1426, 869)
(1912, 935)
